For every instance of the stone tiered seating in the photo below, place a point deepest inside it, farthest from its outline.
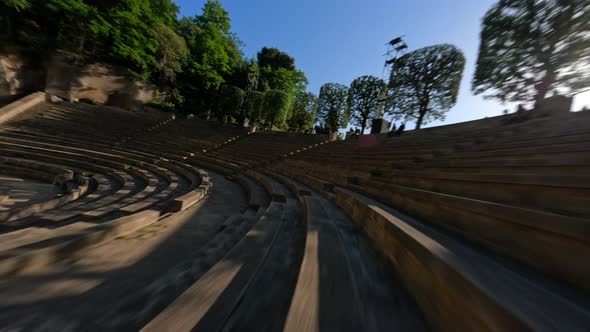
(197, 136)
(514, 205)
(111, 182)
(262, 147)
(476, 226)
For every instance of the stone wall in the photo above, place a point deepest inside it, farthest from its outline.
(95, 83)
(19, 77)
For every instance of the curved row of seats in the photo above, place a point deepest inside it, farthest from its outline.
(520, 214)
(301, 241)
(118, 189)
(284, 238)
(483, 224)
(538, 219)
(70, 186)
(269, 232)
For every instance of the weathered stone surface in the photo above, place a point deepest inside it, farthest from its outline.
(17, 260)
(497, 238)
(458, 288)
(54, 99)
(15, 108)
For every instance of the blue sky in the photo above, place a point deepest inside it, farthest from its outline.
(339, 40)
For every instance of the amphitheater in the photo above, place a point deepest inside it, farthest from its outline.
(122, 221)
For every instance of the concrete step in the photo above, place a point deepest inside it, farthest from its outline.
(555, 244)
(210, 301)
(342, 285)
(501, 297)
(563, 194)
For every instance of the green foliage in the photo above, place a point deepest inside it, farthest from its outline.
(162, 106)
(118, 32)
(207, 37)
(364, 99)
(134, 43)
(230, 102)
(214, 53)
(332, 110)
(275, 59)
(189, 59)
(240, 71)
(275, 108)
(254, 108)
(425, 83)
(278, 72)
(303, 112)
(18, 5)
(172, 54)
(529, 48)
(282, 79)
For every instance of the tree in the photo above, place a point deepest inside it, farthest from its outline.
(240, 72)
(172, 56)
(364, 99)
(212, 49)
(275, 108)
(278, 72)
(254, 108)
(230, 102)
(529, 48)
(116, 32)
(119, 32)
(208, 41)
(303, 112)
(275, 59)
(424, 83)
(332, 110)
(189, 59)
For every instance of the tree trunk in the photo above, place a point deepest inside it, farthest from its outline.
(363, 125)
(82, 42)
(420, 117)
(9, 28)
(543, 87)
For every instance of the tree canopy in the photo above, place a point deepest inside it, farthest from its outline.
(229, 104)
(119, 32)
(332, 110)
(198, 65)
(254, 108)
(529, 48)
(214, 55)
(17, 5)
(172, 53)
(188, 58)
(275, 59)
(365, 99)
(303, 112)
(424, 83)
(278, 72)
(275, 108)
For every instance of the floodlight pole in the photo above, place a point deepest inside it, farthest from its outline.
(394, 48)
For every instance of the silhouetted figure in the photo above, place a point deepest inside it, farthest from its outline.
(350, 133)
(391, 133)
(400, 130)
(521, 115)
(357, 132)
(585, 108)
